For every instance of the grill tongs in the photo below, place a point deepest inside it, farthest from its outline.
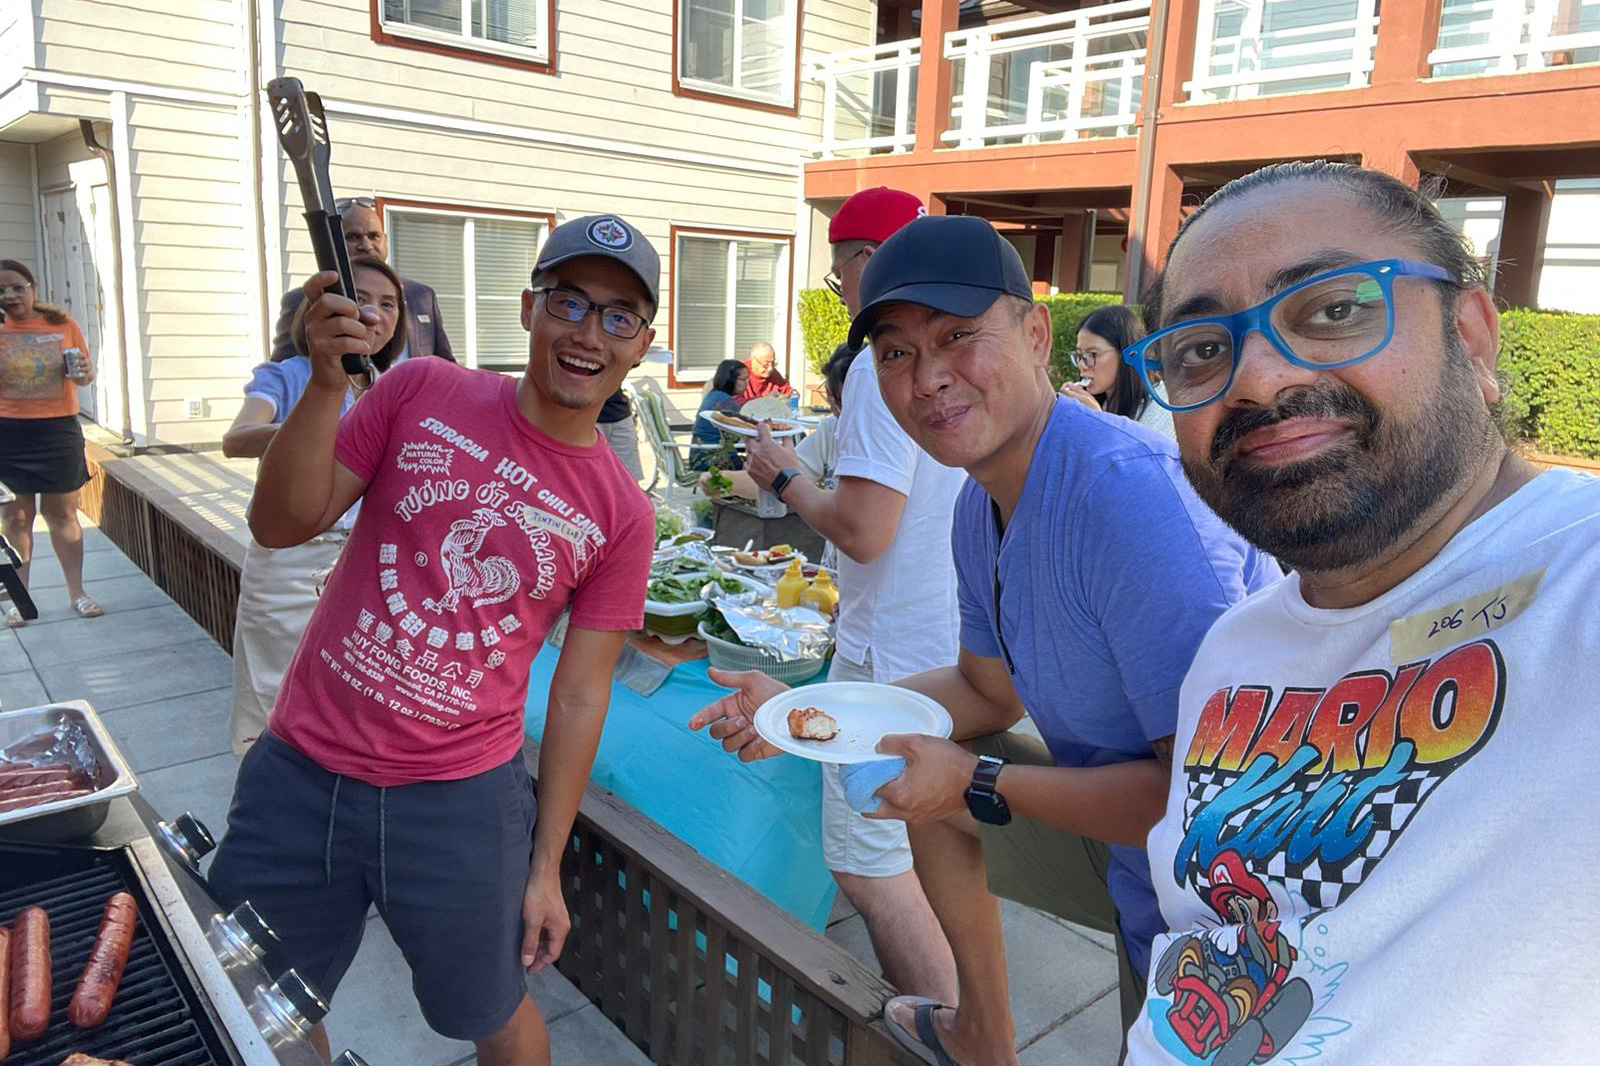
(303, 133)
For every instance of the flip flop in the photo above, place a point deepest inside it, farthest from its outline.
(87, 608)
(14, 618)
(925, 1043)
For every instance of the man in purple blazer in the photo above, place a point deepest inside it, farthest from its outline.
(364, 235)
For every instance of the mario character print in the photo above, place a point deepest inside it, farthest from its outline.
(1294, 798)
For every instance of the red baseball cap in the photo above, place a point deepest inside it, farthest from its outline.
(874, 215)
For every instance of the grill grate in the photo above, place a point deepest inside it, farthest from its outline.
(152, 1020)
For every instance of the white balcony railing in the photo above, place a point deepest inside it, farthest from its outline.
(1059, 77)
(1506, 36)
(1249, 48)
(869, 98)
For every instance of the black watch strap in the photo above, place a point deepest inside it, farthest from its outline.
(781, 482)
(984, 801)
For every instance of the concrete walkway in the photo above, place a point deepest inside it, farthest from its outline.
(165, 690)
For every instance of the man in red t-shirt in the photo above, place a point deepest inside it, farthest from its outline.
(764, 377)
(391, 772)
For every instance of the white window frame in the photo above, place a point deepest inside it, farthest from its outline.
(783, 294)
(465, 39)
(467, 353)
(784, 99)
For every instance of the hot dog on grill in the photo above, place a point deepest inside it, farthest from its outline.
(30, 974)
(78, 1058)
(5, 993)
(91, 1003)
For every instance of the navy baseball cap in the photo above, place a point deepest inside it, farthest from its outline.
(608, 236)
(957, 264)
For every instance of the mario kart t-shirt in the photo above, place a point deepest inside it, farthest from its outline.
(1381, 837)
(476, 531)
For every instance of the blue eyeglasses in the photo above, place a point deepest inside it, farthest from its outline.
(1330, 321)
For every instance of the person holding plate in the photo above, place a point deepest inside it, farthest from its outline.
(1088, 572)
(727, 383)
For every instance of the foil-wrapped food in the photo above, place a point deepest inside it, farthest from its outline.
(54, 764)
(789, 634)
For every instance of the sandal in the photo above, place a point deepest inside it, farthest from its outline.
(87, 608)
(14, 618)
(924, 1044)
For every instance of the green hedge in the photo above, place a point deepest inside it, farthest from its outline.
(824, 325)
(1067, 309)
(1550, 367)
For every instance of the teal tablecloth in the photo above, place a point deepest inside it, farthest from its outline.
(759, 821)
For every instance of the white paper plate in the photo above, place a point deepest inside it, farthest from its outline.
(866, 712)
(745, 431)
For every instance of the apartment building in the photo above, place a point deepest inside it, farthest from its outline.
(1087, 130)
(140, 178)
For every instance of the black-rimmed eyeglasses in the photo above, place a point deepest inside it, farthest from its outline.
(834, 279)
(567, 306)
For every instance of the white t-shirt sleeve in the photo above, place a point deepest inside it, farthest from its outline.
(810, 453)
(870, 442)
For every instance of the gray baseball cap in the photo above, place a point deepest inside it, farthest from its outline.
(608, 236)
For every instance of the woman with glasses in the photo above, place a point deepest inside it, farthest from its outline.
(727, 385)
(44, 360)
(1103, 335)
(278, 587)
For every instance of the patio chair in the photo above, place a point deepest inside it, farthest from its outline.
(651, 410)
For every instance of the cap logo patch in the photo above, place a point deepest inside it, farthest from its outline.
(922, 210)
(610, 233)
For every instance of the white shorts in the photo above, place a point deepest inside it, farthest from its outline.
(851, 842)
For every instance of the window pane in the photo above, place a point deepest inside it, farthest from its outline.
(756, 290)
(702, 308)
(507, 21)
(503, 253)
(444, 15)
(764, 46)
(708, 40)
(428, 248)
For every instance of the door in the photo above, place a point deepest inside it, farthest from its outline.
(72, 270)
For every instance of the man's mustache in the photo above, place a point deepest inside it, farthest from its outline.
(1331, 401)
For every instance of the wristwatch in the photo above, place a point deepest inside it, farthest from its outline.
(781, 482)
(987, 805)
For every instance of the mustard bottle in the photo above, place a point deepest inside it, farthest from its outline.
(822, 596)
(791, 585)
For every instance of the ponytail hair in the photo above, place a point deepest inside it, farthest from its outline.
(56, 316)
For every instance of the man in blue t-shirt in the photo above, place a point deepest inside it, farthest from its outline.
(1088, 572)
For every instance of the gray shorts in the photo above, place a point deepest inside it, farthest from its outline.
(445, 862)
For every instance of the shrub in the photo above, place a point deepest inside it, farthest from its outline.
(1550, 370)
(824, 325)
(1066, 311)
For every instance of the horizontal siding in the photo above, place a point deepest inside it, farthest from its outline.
(191, 220)
(18, 231)
(193, 44)
(328, 42)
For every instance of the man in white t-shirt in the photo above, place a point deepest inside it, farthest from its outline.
(889, 518)
(1380, 839)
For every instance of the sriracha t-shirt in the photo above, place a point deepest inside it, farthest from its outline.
(476, 532)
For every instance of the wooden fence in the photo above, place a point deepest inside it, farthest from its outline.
(691, 964)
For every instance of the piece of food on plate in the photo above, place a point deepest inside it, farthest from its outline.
(78, 1058)
(809, 723)
(732, 419)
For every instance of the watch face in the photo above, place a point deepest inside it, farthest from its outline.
(988, 807)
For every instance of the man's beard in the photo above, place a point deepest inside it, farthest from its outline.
(1357, 499)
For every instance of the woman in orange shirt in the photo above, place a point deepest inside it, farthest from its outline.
(43, 361)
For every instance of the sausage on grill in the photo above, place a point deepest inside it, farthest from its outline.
(5, 993)
(30, 974)
(91, 1003)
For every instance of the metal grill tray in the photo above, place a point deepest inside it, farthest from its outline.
(155, 1019)
(81, 815)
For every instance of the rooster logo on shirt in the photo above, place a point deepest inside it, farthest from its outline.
(481, 582)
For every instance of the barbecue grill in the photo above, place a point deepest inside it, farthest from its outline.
(200, 989)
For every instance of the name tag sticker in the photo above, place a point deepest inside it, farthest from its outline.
(424, 319)
(1423, 635)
